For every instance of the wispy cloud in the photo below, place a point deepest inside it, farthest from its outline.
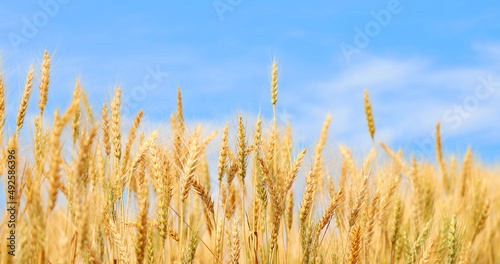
(409, 97)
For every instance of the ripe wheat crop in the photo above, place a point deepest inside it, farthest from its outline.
(90, 192)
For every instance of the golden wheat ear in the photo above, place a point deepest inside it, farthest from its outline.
(355, 238)
(274, 83)
(115, 125)
(439, 156)
(369, 116)
(23, 106)
(44, 82)
(242, 155)
(75, 123)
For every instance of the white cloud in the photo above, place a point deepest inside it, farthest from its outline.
(374, 72)
(488, 50)
(409, 96)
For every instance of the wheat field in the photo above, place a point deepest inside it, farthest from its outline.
(87, 191)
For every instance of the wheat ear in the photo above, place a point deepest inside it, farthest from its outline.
(369, 116)
(44, 82)
(439, 155)
(24, 101)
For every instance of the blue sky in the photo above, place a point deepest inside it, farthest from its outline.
(422, 62)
